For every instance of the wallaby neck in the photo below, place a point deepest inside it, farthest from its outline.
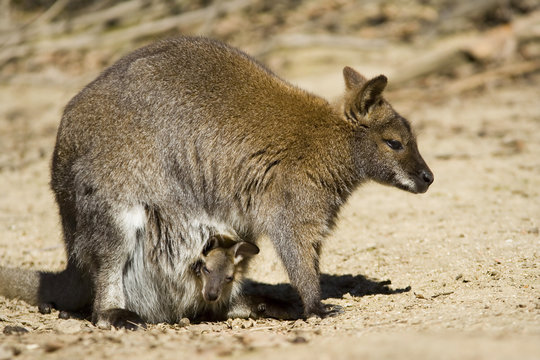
(338, 168)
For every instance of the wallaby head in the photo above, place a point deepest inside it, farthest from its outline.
(386, 146)
(218, 266)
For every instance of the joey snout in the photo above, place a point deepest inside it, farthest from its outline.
(211, 293)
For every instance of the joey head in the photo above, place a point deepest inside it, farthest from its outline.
(218, 268)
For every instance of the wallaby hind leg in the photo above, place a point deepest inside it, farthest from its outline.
(110, 304)
(120, 318)
(106, 240)
(257, 306)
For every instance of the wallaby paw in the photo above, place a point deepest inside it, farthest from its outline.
(276, 310)
(334, 310)
(323, 310)
(118, 318)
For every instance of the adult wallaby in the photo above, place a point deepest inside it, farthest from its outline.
(191, 132)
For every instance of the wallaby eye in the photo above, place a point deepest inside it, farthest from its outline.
(229, 279)
(205, 270)
(394, 144)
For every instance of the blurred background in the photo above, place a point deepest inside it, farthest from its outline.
(432, 50)
(462, 44)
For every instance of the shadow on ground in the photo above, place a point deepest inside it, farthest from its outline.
(332, 287)
(281, 301)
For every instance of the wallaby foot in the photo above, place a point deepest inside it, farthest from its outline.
(259, 306)
(118, 318)
(323, 310)
(275, 309)
(334, 310)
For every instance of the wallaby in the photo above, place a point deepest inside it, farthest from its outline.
(219, 273)
(190, 132)
(218, 266)
(220, 270)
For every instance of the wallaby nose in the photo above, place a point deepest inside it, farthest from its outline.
(427, 176)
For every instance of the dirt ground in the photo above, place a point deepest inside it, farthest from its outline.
(450, 274)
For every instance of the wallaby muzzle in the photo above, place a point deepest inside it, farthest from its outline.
(423, 179)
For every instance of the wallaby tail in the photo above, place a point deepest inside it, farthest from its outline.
(65, 290)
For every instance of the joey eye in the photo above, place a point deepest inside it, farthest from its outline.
(394, 144)
(229, 279)
(205, 270)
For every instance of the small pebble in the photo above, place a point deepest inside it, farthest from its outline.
(63, 315)
(184, 322)
(53, 346)
(299, 340)
(235, 324)
(223, 351)
(70, 326)
(14, 330)
(44, 308)
(7, 352)
(249, 323)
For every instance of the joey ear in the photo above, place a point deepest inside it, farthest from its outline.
(196, 267)
(211, 244)
(225, 241)
(371, 93)
(244, 250)
(353, 79)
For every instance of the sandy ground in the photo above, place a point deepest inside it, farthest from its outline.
(451, 274)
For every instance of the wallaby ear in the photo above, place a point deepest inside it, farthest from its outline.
(225, 241)
(371, 92)
(244, 250)
(353, 79)
(196, 267)
(211, 244)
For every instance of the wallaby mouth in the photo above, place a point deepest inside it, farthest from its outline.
(210, 297)
(416, 183)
